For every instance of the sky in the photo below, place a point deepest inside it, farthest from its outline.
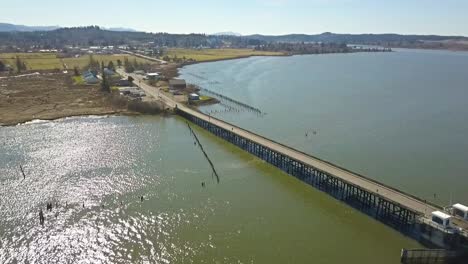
(270, 17)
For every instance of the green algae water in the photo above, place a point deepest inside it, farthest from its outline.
(95, 170)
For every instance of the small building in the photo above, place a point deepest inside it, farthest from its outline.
(126, 90)
(441, 219)
(194, 97)
(177, 84)
(108, 72)
(123, 82)
(137, 93)
(90, 78)
(152, 76)
(132, 92)
(460, 210)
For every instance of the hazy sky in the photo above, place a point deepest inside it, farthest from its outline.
(444, 17)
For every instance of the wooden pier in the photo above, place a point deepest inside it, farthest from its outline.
(382, 202)
(391, 206)
(394, 207)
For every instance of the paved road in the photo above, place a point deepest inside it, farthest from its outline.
(144, 57)
(151, 90)
(388, 193)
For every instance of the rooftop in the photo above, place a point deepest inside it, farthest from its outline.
(461, 207)
(441, 215)
(176, 82)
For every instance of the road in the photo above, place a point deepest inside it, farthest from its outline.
(384, 191)
(144, 57)
(150, 90)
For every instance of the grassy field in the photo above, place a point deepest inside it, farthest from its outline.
(78, 80)
(217, 54)
(50, 61)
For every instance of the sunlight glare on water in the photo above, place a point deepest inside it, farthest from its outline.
(94, 171)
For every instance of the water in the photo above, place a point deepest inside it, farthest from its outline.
(399, 117)
(96, 169)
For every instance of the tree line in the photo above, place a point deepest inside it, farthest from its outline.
(305, 48)
(95, 36)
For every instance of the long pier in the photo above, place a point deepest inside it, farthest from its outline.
(405, 212)
(311, 169)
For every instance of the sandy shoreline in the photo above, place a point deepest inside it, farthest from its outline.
(59, 117)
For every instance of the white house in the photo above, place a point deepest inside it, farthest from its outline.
(152, 76)
(193, 97)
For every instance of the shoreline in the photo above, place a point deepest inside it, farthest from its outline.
(235, 58)
(181, 65)
(58, 117)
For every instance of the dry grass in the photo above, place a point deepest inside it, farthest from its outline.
(50, 96)
(217, 54)
(50, 61)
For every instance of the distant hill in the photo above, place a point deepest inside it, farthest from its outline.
(228, 33)
(5, 27)
(121, 29)
(328, 37)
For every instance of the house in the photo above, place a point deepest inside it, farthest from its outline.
(134, 92)
(108, 72)
(194, 97)
(123, 82)
(177, 84)
(90, 78)
(126, 90)
(152, 76)
(87, 74)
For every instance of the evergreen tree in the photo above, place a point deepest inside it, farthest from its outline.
(111, 66)
(135, 64)
(20, 65)
(93, 64)
(119, 63)
(2, 66)
(104, 83)
(128, 66)
(76, 71)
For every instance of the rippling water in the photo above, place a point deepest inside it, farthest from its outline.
(94, 171)
(397, 117)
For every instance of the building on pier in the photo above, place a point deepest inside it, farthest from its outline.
(460, 210)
